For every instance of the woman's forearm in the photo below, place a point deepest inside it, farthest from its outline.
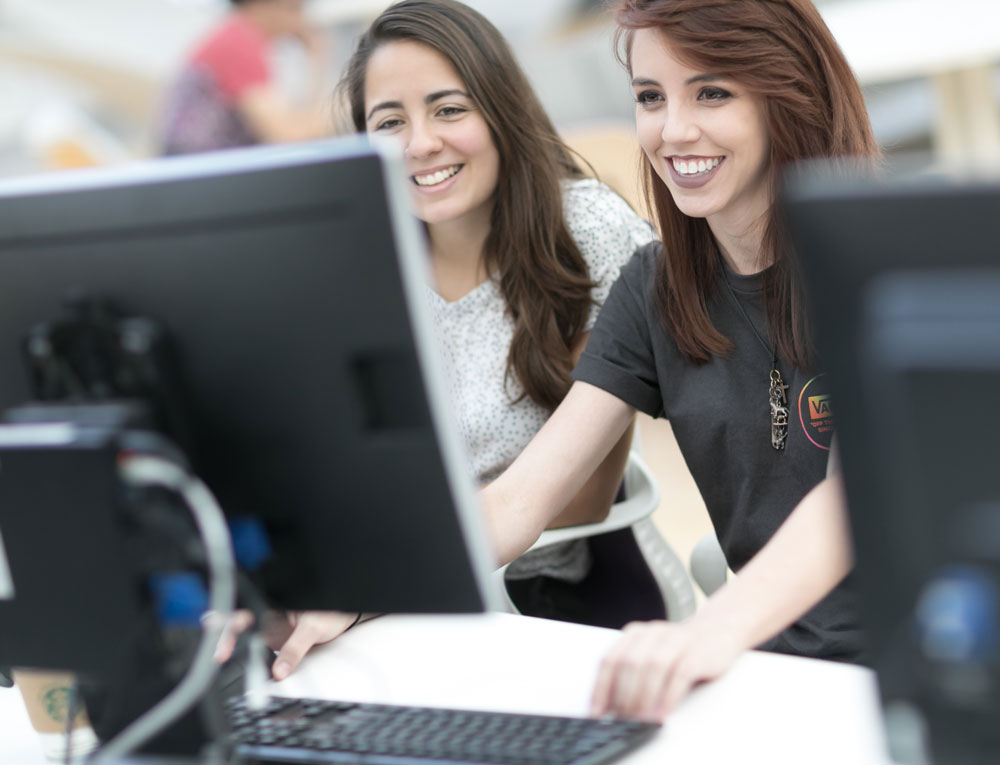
(552, 469)
(593, 502)
(807, 557)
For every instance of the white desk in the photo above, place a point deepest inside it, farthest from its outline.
(769, 709)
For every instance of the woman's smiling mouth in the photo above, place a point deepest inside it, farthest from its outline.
(436, 177)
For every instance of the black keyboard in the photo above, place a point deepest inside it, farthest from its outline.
(315, 731)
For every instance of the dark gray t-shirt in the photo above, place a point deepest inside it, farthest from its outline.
(720, 414)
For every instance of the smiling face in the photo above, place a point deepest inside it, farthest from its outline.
(705, 135)
(413, 93)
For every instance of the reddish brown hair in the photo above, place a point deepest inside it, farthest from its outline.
(542, 275)
(782, 52)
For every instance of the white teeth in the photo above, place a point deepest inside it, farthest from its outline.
(696, 167)
(435, 178)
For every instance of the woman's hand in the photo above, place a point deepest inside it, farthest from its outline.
(656, 664)
(290, 634)
(300, 632)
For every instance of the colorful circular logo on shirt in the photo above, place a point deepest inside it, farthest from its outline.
(816, 412)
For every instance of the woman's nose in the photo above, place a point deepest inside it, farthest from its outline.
(423, 140)
(679, 126)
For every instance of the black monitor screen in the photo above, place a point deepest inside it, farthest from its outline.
(289, 283)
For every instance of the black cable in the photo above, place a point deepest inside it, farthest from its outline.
(746, 318)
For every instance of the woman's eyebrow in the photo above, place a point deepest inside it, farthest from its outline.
(385, 105)
(432, 97)
(641, 82)
(703, 78)
(428, 99)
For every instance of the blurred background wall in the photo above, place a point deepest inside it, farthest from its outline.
(83, 79)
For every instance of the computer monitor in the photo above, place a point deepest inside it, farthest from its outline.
(904, 286)
(291, 284)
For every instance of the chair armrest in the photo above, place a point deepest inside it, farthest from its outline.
(643, 497)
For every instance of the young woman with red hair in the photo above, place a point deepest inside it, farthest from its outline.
(708, 330)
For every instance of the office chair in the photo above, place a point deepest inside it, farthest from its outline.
(708, 564)
(634, 569)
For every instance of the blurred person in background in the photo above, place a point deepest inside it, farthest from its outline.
(226, 94)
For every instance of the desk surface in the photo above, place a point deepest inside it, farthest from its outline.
(769, 709)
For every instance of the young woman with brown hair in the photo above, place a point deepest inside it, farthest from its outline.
(523, 250)
(708, 330)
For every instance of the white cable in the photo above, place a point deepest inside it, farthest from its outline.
(257, 689)
(142, 471)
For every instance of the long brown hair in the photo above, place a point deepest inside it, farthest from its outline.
(542, 275)
(783, 52)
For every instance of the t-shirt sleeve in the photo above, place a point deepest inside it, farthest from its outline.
(237, 57)
(607, 231)
(619, 354)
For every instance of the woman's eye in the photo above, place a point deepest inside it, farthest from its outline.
(451, 111)
(388, 124)
(648, 98)
(714, 94)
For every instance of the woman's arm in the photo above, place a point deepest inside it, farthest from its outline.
(806, 558)
(593, 502)
(656, 663)
(553, 467)
(273, 118)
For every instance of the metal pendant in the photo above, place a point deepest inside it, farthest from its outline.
(779, 412)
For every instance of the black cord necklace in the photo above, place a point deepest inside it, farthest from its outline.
(776, 394)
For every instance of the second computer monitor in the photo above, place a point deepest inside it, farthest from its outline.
(904, 284)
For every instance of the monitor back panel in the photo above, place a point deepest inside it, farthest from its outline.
(905, 294)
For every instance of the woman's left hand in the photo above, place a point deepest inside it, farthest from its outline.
(302, 631)
(291, 634)
(656, 664)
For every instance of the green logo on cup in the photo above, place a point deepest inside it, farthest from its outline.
(56, 702)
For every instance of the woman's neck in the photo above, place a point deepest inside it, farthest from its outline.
(456, 249)
(741, 245)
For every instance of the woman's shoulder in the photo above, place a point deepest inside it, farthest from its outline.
(603, 224)
(650, 252)
(594, 198)
(642, 265)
